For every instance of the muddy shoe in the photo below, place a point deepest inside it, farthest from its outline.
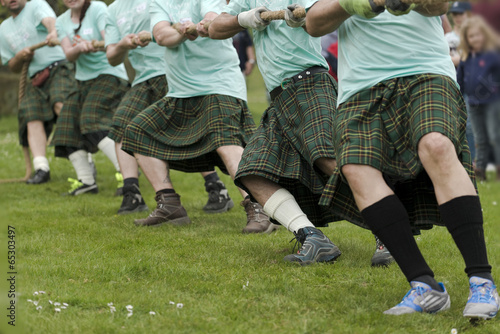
(257, 220)
(169, 210)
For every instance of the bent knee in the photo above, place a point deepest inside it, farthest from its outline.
(435, 146)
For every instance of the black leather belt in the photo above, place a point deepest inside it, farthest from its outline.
(51, 66)
(302, 75)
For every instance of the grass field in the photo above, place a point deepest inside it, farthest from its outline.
(205, 277)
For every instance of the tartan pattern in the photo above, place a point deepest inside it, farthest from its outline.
(88, 109)
(381, 127)
(294, 132)
(187, 132)
(38, 102)
(138, 98)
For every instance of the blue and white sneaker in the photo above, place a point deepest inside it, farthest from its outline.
(483, 299)
(422, 298)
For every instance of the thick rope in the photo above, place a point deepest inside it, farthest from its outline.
(143, 37)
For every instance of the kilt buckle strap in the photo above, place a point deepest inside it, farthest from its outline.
(290, 81)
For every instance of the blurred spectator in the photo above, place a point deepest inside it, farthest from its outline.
(459, 12)
(489, 10)
(479, 78)
(243, 44)
(329, 50)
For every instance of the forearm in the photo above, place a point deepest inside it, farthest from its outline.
(224, 26)
(72, 52)
(116, 53)
(16, 64)
(324, 17)
(429, 10)
(166, 35)
(50, 24)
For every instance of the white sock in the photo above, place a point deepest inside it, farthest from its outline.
(107, 146)
(42, 163)
(80, 162)
(283, 207)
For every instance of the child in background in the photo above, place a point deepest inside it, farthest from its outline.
(479, 77)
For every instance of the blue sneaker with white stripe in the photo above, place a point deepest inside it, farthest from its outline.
(483, 299)
(422, 298)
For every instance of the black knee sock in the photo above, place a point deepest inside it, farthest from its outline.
(212, 177)
(464, 220)
(165, 191)
(389, 221)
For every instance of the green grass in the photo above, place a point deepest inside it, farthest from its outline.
(81, 253)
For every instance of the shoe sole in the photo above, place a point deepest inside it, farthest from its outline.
(270, 229)
(330, 258)
(140, 208)
(177, 221)
(383, 262)
(229, 205)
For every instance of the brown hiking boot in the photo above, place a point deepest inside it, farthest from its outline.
(257, 220)
(168, 210)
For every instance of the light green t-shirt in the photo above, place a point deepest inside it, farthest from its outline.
(203, 66)
(90, 65)
(282, 51)
(388, 46)
(25, 30)
(131, 17)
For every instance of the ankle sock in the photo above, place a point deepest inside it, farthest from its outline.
(212, 177)
(42, 163)
(429, 280)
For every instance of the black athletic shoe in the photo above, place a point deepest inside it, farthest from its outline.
(40, 177)
(132, 201)
(78, 188)
(218, 198)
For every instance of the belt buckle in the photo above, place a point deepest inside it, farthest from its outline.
(285, 83)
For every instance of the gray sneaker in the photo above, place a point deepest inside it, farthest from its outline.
(316, 247)
(382, 257)
(422, 298)
(483, 299)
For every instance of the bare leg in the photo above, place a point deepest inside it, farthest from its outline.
(440, 161)
(326, 165)
(261, 188)
(231, 156)
(367, 184)
(57, 108)
(37, 139)
(128, 164)
(156, 172)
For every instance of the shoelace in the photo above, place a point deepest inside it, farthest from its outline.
(75, 184)
(480, 291)
(417, 291)
(213, 196)
(119, 179)
(297, 241)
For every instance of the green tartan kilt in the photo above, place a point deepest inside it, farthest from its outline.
(294, 132)
(88, 109)
(382, 126)
(186, 132)
(138, 98)
(38, 102)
